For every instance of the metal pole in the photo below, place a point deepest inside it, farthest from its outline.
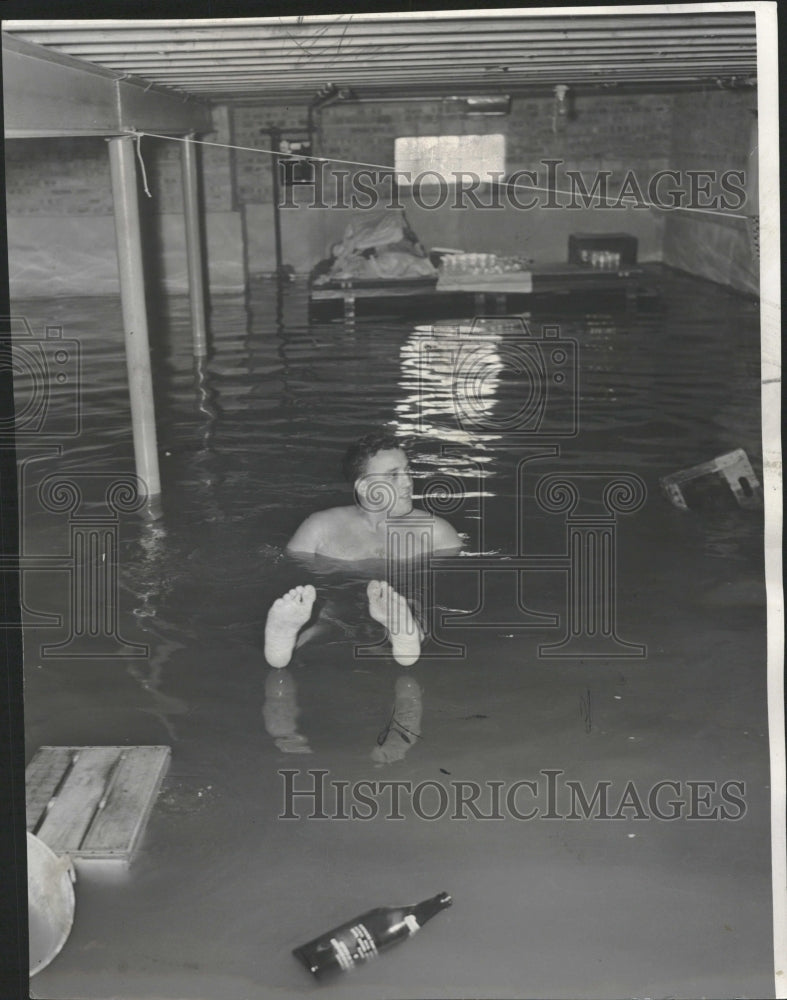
(132, 299)
(275, 135)
(194, 247)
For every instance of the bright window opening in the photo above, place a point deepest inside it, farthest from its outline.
(439, 158)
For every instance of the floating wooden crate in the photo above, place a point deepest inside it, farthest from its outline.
(733, 470)
(93, 802)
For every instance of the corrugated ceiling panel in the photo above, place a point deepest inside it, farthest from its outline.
(426, 53)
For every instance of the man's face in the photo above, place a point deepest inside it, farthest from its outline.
(387, 485)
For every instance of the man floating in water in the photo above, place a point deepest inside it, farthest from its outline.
(380, 524)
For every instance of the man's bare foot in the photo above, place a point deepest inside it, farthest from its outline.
(404, 727)
(286, 618)
(392, 611)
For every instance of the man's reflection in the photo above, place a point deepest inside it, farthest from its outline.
(401, 732)
(280, 712)
(403, 729)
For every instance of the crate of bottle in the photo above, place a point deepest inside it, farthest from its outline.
(602, 250)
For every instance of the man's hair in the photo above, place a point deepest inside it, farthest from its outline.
(358, 454)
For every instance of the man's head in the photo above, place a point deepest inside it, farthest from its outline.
(378, 467)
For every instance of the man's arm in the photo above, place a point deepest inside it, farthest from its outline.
(446, 538)
(307, 537)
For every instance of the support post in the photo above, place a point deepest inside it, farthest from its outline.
(194, 247)
(135, 322)
(275, 135)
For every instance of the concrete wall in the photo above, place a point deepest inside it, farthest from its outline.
(77, 255)
(715, 130)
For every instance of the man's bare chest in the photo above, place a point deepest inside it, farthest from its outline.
(391, 540)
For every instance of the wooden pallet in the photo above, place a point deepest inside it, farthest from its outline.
(93, 802)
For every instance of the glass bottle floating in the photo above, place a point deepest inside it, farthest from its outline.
(358, 940)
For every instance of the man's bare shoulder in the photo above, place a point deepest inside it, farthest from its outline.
(330, 514)
(445, 536)
(312, 532)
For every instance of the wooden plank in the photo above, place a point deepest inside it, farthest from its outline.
(375, 284)
(516, 283)
(371, 288)
(72, 810)
(120, 820)
(42, 776)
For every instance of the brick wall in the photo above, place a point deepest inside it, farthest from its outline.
(253, 170)
(57, 177)
(60, 215)
(605, 132)
(68, 180)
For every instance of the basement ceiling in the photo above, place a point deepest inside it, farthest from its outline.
(414, 54)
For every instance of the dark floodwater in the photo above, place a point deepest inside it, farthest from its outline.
(250, 444)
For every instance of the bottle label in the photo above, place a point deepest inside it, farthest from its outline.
(357, 947)
(412, 923)
(343, 955)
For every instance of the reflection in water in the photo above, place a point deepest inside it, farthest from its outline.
(448, 392)
(280, 712)
(206, 402)
(403, 729)
(451, 381)
(148, 673)
(206, 463)
(152, 583)
(725, 532)
(150, 580)
(404, 726)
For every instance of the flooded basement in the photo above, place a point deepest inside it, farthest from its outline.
(619, 842)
